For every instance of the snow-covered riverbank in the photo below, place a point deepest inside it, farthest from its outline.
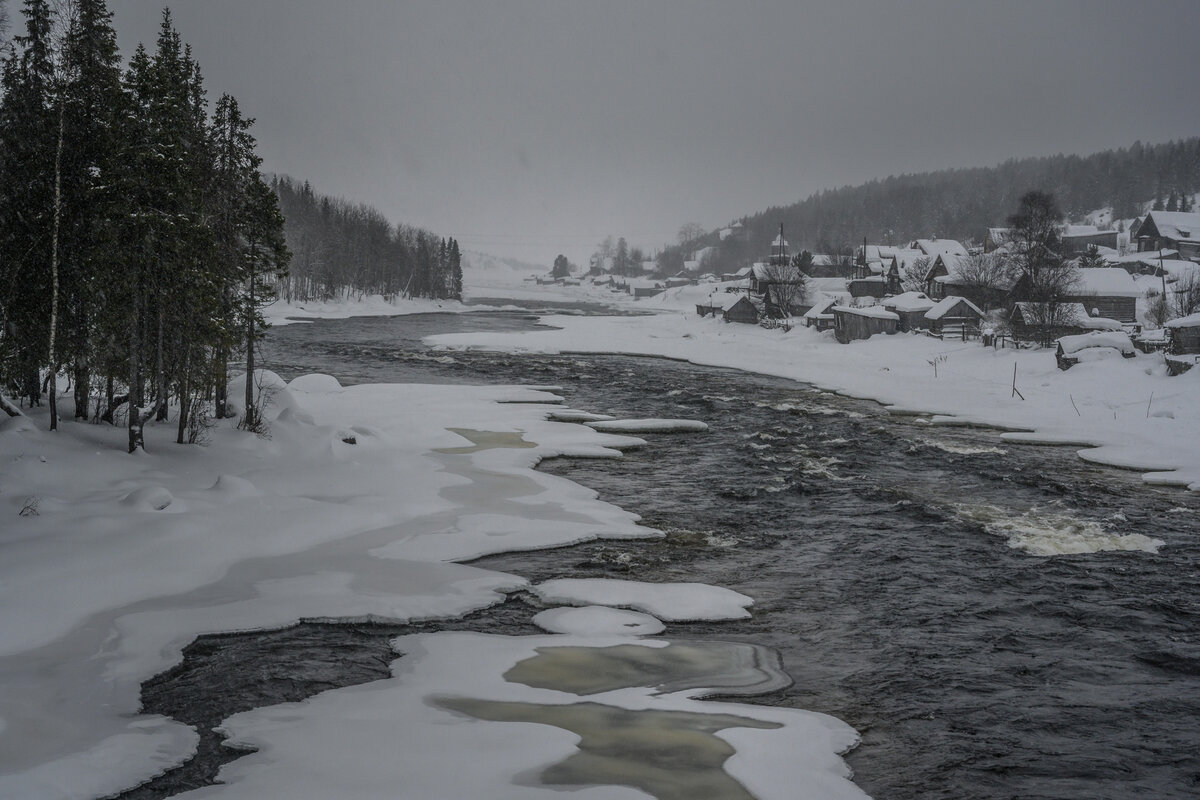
(1128, 413)
(357, 507)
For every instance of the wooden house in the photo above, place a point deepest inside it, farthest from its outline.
(910, 308)
(962, 276)
(1106, 292)
(820, 316)
(1177, 230)
(862, 323)
(954, 314)
(871, 286)
(1045, 322)
(1076, 239)
(1183, 343)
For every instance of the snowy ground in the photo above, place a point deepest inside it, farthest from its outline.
(357, 507)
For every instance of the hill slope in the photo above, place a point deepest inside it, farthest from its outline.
(962, 203)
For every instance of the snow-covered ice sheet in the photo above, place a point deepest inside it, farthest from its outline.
(347, 511)
(469, 715)
(648, 425)
(667, 601)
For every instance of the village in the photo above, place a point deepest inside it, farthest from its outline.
(1107, 292)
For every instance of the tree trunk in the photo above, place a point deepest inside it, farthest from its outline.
(251, 418)
(221, 381)
(185, 405)
(136, 438)
(160, 390)
(83, 389)
(108, 399)
(53, 392)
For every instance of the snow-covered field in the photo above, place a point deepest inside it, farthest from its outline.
(356, 507)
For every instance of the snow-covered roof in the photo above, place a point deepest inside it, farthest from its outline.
(1107, 282)
(1190, 321)
(1099, 323)
(999, 234)
(1147, 257)
(876, 312)
(1115, 339)
(934, 247)
(1182, 226)
(880, 252)
(821, 309)
(779, 240)
(723, 300)
(1082, 230)
(941, 308)
(909, 302)
(829, 285)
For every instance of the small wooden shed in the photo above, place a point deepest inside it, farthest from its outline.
(741, 310)
(910, 307)
(954, 313)
(1183, 343)
(862, 323)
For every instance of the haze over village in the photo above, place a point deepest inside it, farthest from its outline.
(658, 399)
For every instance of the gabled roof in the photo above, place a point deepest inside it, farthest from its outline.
(1082, 230)
(724, 300)
(1181, 226)
(908, 302)
(942, 308)
(933, 247)
(821, 309)
(1107, 282)
(876, 312)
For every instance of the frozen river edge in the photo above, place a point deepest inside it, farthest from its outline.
(1126, 414)
(358, 507)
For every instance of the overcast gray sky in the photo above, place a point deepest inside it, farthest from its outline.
(533, 127)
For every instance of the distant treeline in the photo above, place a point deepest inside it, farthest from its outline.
(340, 249)
(960, 203)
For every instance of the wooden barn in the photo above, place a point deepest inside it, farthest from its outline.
(954, 315)
(1183, 343)
(1107, 292)
(910, 307)
(862, 323)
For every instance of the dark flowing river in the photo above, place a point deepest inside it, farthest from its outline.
(892, 564)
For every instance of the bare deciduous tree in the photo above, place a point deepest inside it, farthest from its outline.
(785, 288)
(986, 278)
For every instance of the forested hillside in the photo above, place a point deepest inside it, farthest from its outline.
(341, 248)
(961, 203)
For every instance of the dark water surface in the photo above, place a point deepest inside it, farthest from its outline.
(877, 549)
